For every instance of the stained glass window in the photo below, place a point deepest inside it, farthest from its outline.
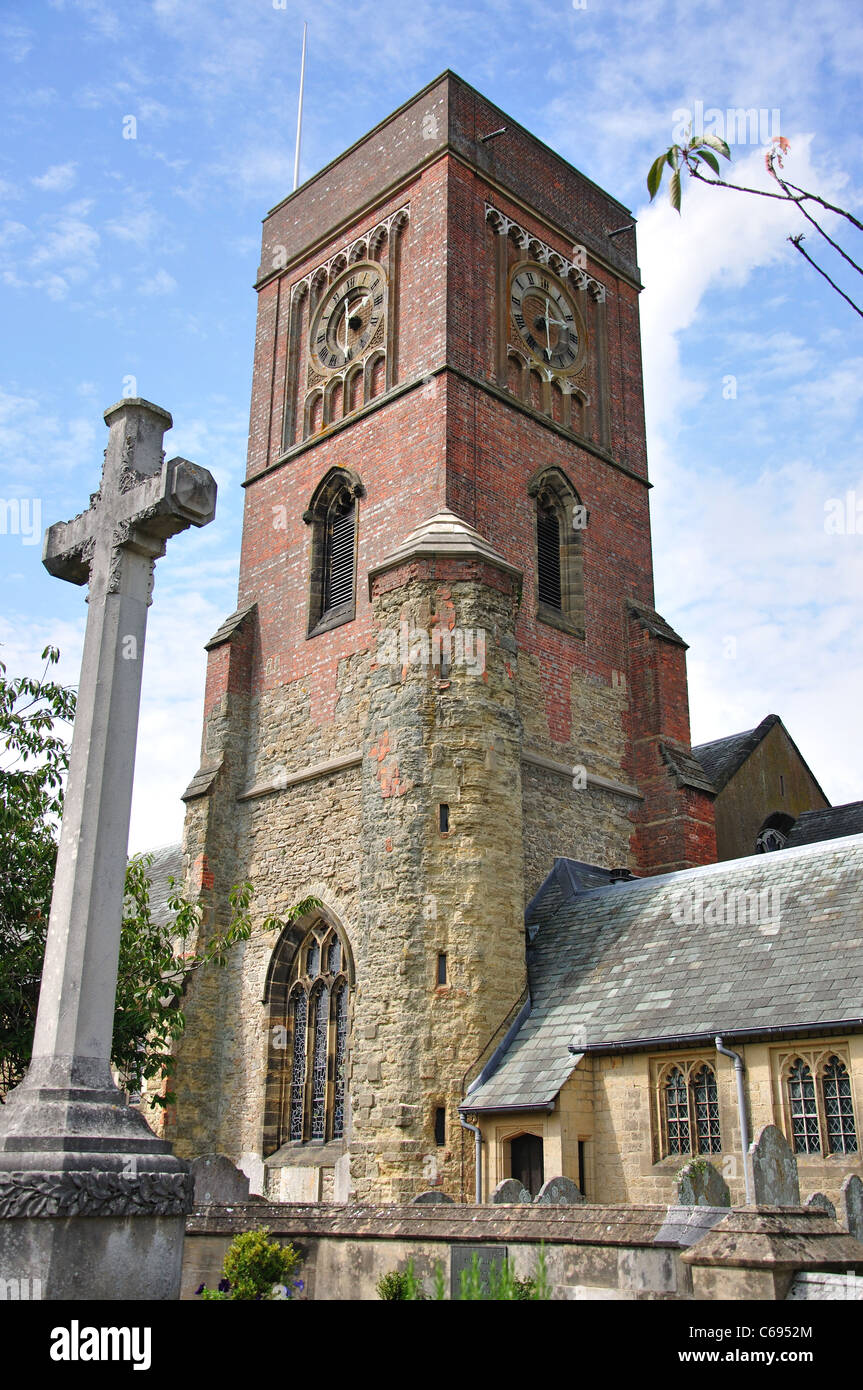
(319, 1064)
(334, 955)
(341, 1059)
(313, 963)
(677, 1112)
(298, 1065)
(706, 1107)
(318, 1015)
(838, 1108)
(805, 1137)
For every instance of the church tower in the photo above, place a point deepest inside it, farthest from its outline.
(445, 669)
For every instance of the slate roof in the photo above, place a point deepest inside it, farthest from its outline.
(724, 756)
(620, 966)
(167, 863)
(229, 626)
(654, 623)
(827, 823)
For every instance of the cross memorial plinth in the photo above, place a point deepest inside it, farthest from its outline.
(70, 1146)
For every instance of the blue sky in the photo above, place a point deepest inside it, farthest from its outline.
(134, 258)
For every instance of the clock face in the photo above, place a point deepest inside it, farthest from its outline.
(348, 318)
(545, 316)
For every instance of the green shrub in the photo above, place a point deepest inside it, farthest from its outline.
(256, 1269)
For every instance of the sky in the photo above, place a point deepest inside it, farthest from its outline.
(143, 143)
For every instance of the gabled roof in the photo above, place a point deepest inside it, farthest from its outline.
(826, 823)
(676, 958)
(722, 758)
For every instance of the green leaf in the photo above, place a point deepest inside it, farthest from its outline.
(654, 178)
(674, 190)
(711, 160)
(714, 143)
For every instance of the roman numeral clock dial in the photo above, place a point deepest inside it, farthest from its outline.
(348, 318)
(545, 317)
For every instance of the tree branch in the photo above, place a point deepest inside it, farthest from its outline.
(795, 241)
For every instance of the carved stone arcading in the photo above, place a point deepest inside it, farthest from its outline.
(544, 254)
(362, 247)
(27, 1194)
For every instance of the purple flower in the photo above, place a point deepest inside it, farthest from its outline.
(199, 1290)
(224, 1286)
(298, 1284)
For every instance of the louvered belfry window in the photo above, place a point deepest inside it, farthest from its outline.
(548, 555)
(339, 557)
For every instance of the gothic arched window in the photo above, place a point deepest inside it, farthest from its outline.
(820, 1104)
(838, 1108)
(308, 992)
(676, 1098)
(805, 1138)
(332, 516)
(560, 521)
(318, 1027)
(773, 833)
(689, 1107)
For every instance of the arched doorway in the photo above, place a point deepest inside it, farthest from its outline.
(526, 1162)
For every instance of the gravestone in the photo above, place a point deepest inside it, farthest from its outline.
(218, 1182)
(426, 1198)
(851, 1193)
(699, 1184)
(559, 1192)
(508, 1191)
(774, 1170)
(820, 1202)
(70, 1146)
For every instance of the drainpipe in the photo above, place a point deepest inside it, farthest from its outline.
(741, 1110)
(467, 1125)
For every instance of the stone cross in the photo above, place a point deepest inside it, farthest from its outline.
(69, 1145)
(114, 545)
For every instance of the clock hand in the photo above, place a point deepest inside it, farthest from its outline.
(547, 335)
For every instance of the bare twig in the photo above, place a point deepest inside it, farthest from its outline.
(795, 241)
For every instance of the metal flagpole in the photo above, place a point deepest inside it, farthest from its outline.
(300, 110)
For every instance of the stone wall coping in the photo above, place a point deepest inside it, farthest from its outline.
(583, 1224)
(593, 779)
(303, 774)
(779, 1238)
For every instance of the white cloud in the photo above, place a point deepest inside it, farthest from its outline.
(58, 179)
(159, 283)
(17, 41)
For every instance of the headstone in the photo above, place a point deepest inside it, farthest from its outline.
(699, 1184)
(559, 1192)
(70, 1146)
(774, 1170)
(433, 1195)
(510, 1190)
(851, 1193)
(218, 1182)
(821, 1203)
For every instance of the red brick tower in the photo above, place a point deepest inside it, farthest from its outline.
(445, 668)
